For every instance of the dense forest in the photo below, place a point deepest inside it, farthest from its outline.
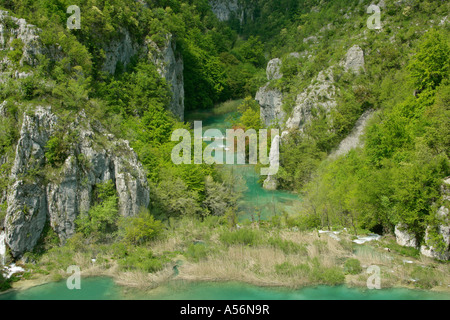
(395, 178)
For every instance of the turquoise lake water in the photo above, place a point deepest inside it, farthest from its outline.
(105, 289)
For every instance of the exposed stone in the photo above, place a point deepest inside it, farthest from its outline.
(271, 182)
(170, 66)
(273, 70)
(271, 102)
(31, 200)
(442, 229)
(223, 9)
(119, 50)
(353, 141)
(311, 39)
(403, 237)
(429, 250)
(320, 94)
(354, 60)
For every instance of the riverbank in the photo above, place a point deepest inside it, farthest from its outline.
(262, 255)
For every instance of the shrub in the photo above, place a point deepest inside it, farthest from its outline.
(288, 269)
(140, 229)
(330, 276)
(4, 283)
(323, 275)
(287, 246)
(56, 150)
(197, 252)
(102, 217)
(141, 259)
(245, 236)
(426, 278)
(352, 266)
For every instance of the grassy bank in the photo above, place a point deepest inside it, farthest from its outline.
(258, 254)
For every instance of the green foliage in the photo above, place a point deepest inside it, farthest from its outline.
(352, 266)
(56, 150)
(4, 283)
(16, 54)
(405, 251)
(426, 277)
(244, 236)
(197, 252)
(329, 276)
(102, 217)
(288, 269)
(431, 64)
(313, 271)
(252, 51)
(140, 229)
(142, 259)
(287, 246)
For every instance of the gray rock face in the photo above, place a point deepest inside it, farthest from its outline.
(352, 141)
(273, 70)
(271, 183)
(403, 237)
(31, 200)
(170, 66)
(442, 228)
(321, 94)
(12, 28)
(271, 102)
(168, 61)
(354, 60)
(224, 8)
(271, 99)
(119, 50)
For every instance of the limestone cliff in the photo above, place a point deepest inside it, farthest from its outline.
(319, 96)
(269, 98)
(437, 232)
(170, 66)
(38, 193)
(36, 196)
(225, 9)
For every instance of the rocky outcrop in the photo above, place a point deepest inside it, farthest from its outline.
(353, 140)
(354, 60)
(17, 34)
(225, 9)
(404, 237)
(441, 229)
(13, 28)
(170, 66)
(273, 70)
(320, 95)
(119, 50)
(271, 182)
(168, 61)
(269, 98)
(271, 102)
(37, 196)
